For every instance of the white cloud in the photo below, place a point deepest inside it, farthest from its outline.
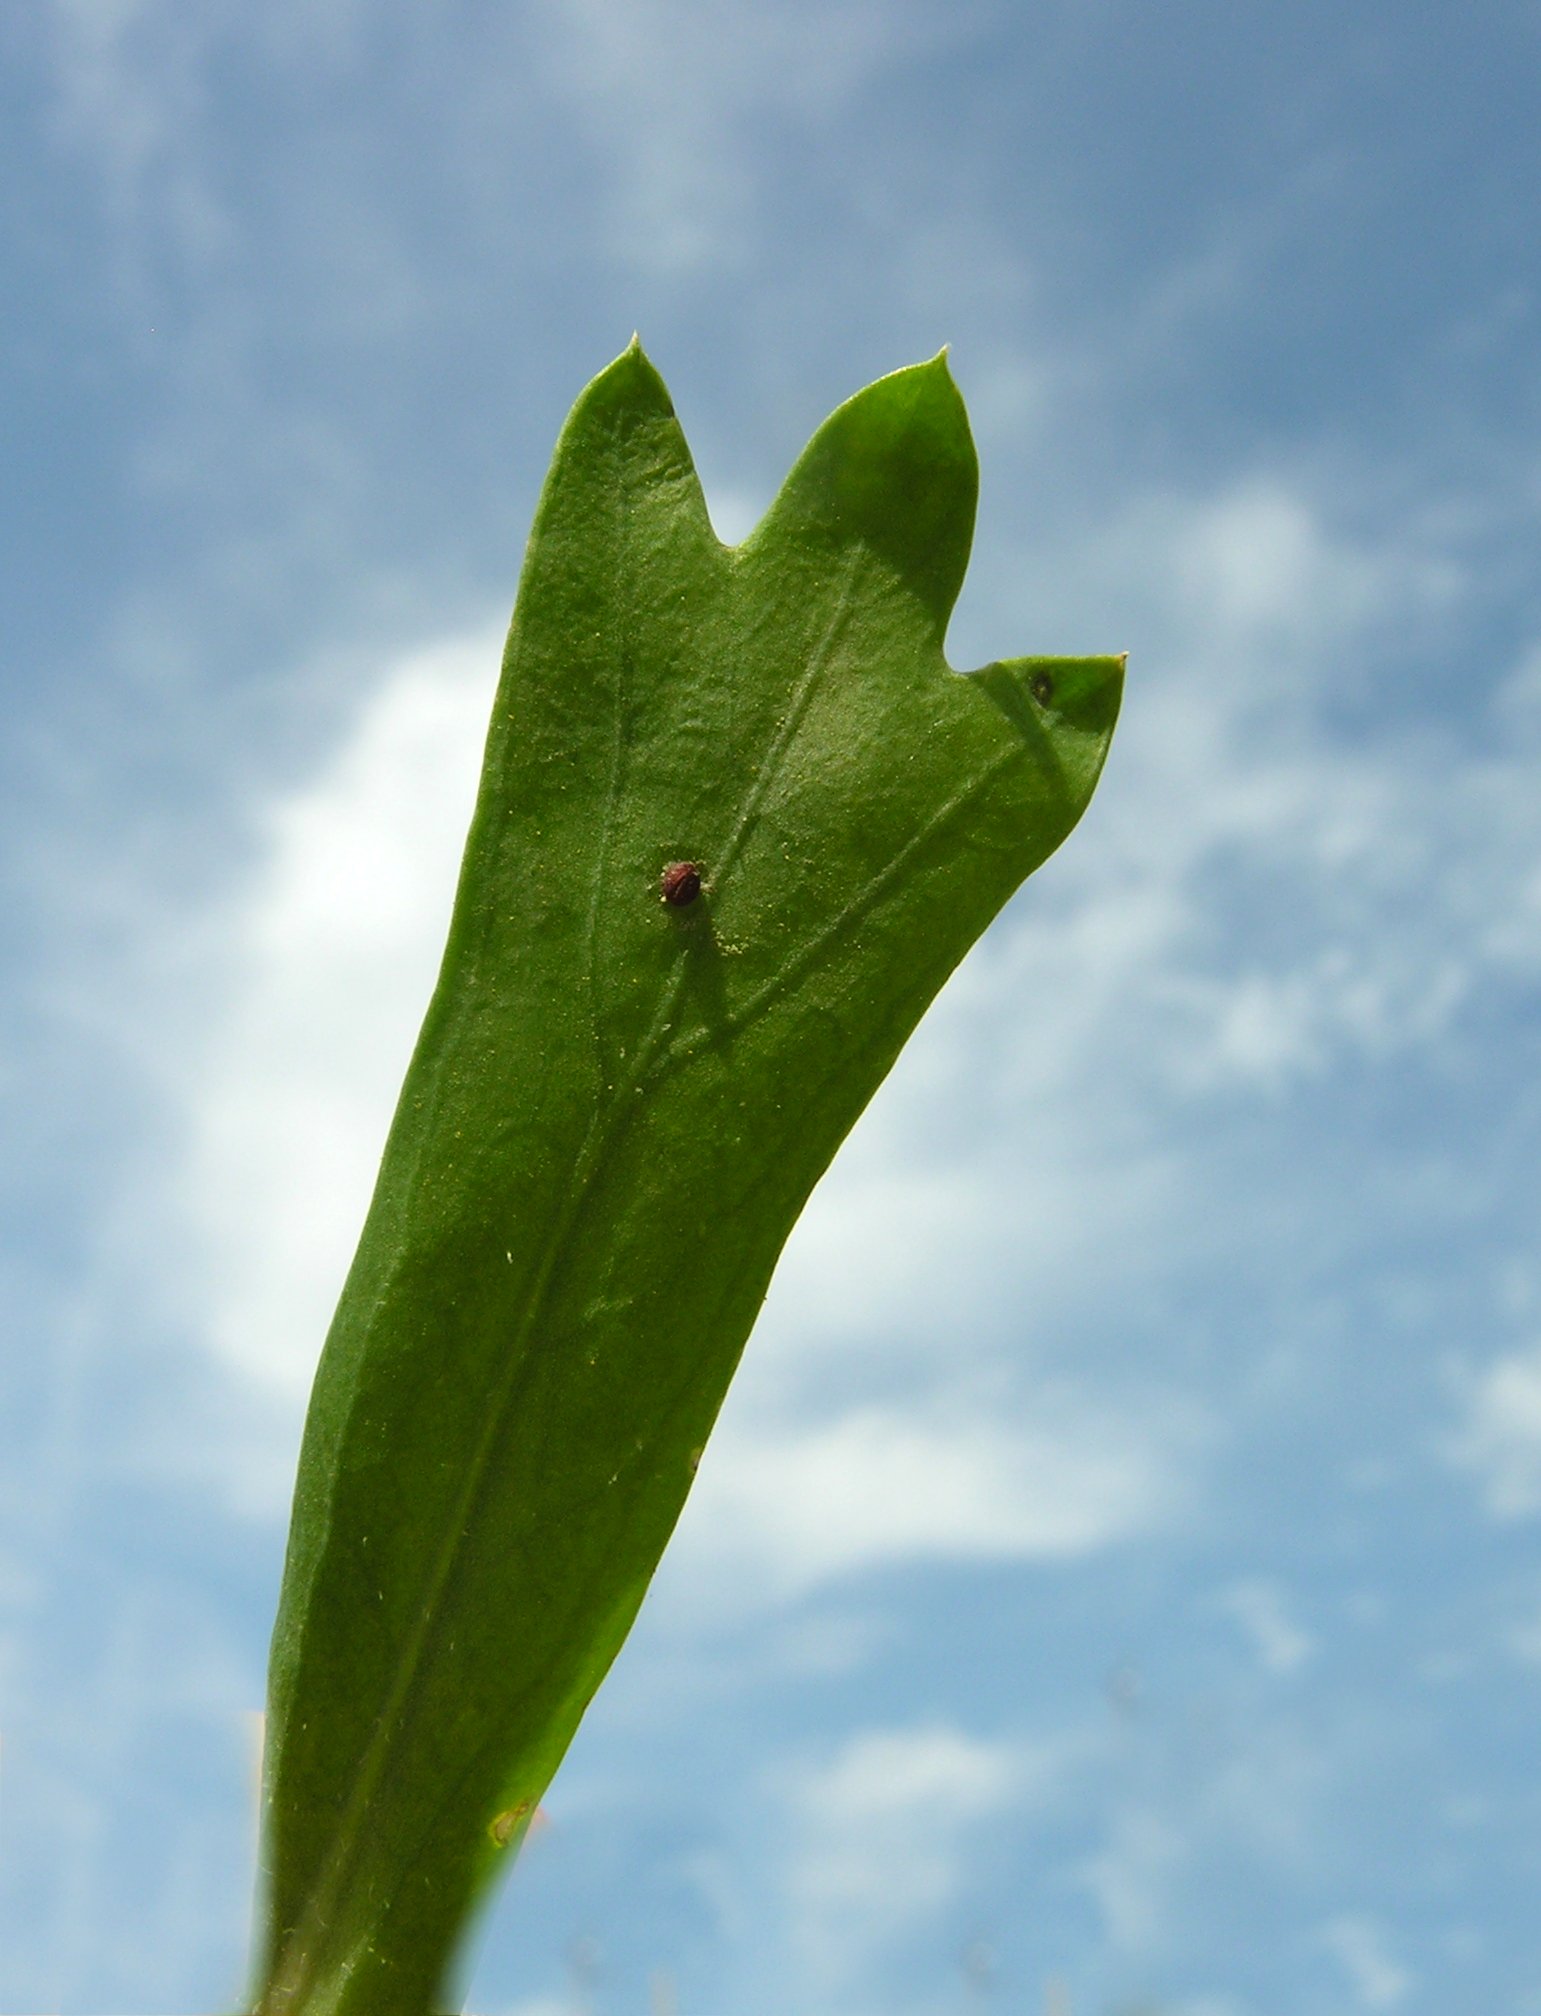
(1275, 896)
(1255, 1800)
(883, 1831)
(1262, 1610)
(1499, 1440)
(1135, 1877)
(884, 1778)
(1378, 1980)
(333, 950)
(1211, 2005)
(1256, 567)
(779, 1508)
(1523, 1640)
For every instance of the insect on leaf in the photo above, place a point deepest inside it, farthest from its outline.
(527, 1357)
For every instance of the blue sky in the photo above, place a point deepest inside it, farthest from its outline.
(1114, 1586)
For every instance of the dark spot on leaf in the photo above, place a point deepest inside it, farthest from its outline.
(681, 884)
(1041, 687)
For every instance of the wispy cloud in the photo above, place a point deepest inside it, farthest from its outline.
(1377, 1979)
(1135, 1877)
(780, 1508)
(1498, 1441)
(693, 109)
(882, 1832)
(1264, 1614)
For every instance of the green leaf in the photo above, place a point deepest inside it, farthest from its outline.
(617, 1109)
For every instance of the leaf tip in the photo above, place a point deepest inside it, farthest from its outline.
(630, 381)
(1088, 692)
(894, 469)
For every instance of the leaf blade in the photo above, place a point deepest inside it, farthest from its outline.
(616, 1111)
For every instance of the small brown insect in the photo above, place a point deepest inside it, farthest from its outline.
(681, 884)
(1042, 688)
